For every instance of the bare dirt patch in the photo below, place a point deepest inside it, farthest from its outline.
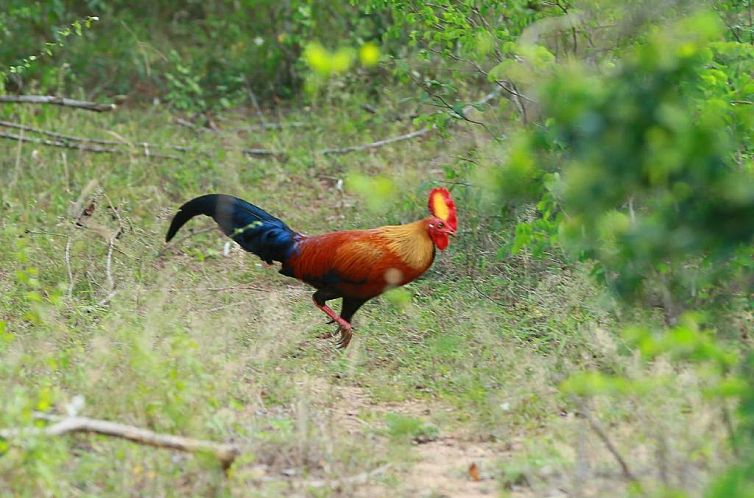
(440, 468)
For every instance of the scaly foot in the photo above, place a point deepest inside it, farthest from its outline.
(345, 335)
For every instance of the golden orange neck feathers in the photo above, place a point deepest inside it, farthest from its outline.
(411, 243)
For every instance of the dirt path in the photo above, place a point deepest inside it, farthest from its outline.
(441, 467)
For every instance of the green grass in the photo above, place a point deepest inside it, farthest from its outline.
(185, 340)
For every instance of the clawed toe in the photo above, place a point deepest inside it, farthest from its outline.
(345, 337)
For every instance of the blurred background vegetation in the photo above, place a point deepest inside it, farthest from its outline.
(608, 139)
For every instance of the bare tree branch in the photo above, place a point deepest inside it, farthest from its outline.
(225, 453)
(61, 101)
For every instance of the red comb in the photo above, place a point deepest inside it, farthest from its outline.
(442, 206)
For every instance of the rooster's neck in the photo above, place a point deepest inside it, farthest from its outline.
(411, 243)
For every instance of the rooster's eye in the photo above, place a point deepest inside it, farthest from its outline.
(440, 225)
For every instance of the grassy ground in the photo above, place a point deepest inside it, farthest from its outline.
(189, 340)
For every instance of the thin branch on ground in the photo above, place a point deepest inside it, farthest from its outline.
(69, 291)
(69, 138)
(61, 101)
(225, 453)
(189, 124)
(344, 150)
(84, 148)
(264, 153)
(377, 144)
(361, 478)
(80, 143)
(109, 260)
(255, 103)
(252, 127)
(271, 126)
(597, 428)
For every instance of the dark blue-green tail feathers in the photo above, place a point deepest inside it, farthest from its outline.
(251, 227)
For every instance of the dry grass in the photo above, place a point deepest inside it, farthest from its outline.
(189, 341)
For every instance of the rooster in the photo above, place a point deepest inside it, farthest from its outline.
(355, 265)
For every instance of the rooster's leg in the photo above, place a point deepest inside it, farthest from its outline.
(344, 327)
(334, 316)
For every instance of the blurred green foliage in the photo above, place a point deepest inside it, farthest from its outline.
(194, 55)
(640, 163)
(653, 162)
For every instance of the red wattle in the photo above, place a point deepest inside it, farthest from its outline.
(441, 241)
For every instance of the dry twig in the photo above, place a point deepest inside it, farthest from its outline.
(225, 453)
(61, 101)
(271, 126)
(357, 479)
(70, 138)
(345, 150)
(69, 292)
(82, 147)
(597, 428)
(263, 153)
(377, 144)
(109, 260)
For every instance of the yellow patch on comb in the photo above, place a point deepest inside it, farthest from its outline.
(439, 206)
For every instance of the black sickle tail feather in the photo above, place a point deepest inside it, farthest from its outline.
(254, 229)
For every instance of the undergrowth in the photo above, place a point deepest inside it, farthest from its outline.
(201, 339)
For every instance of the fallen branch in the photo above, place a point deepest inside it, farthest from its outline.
(252, 127)
(81, 143)
(70, 138)
(357, 479)
(271, 126)
(61, 101)
(189, 124)
(83, 147)
(263, 153)
(344, 150)
(597, 428)
(67, 257)
(110, 246)
(361, 478)
(379, 143)
(225, 453)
